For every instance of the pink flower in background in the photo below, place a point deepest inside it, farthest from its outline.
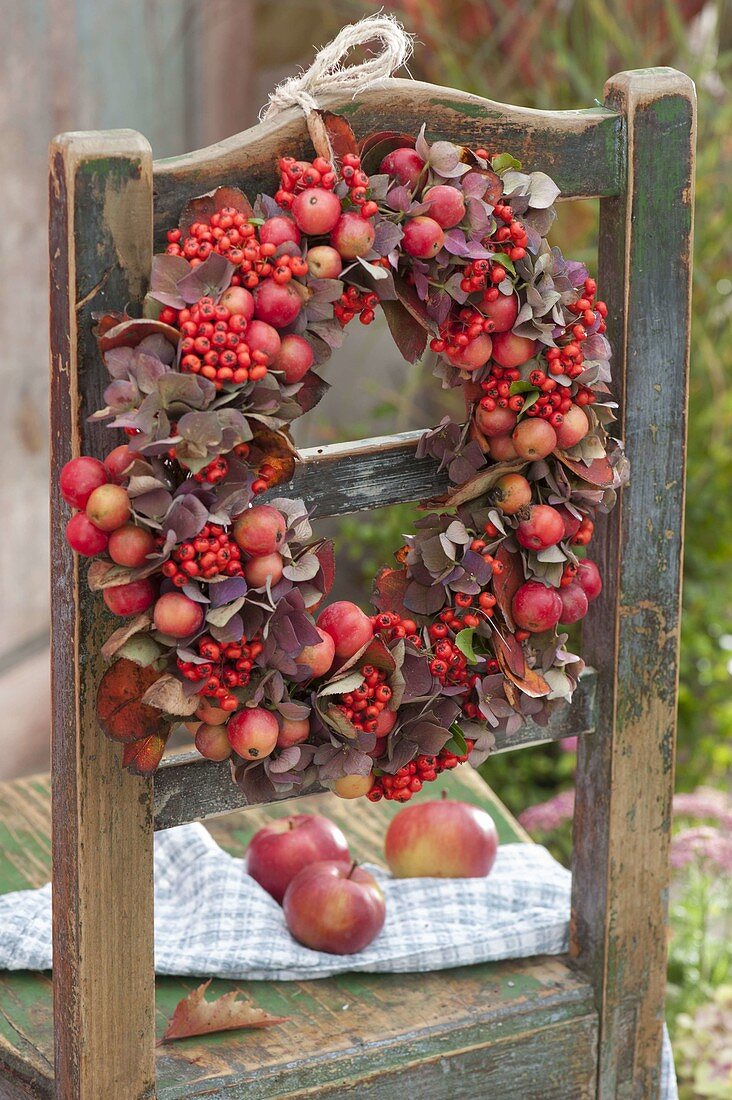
(705, 802)
(568, 744)
(546, 816)
(704, 844)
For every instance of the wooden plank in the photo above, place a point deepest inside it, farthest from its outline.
(100, 250)
(625, 772)
(189, 788)
(580, 149)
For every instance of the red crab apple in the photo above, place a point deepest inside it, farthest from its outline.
(318, 657)
(119, 460)
(573, 428)
(511, 493)
(423, 237)
(510, 350)
(334, 906)
(570, 520)
(239, 300)
(84, 537)
(277, 304)
(213, 742)
(536, 607)
(534, 438)
(79, 478)
(324, 262)
(278, 851)
(252, 732)
(447, 205)
(295, 357)
(212, 716)
(293, 731)
(503, 311)
(316, 211)
(261, 336)
(260, 530)
(348, 626)
(352, 786)
(474, 355)
(542, 528)
(574, 603)
(257, 571)
(589, 579)
(442, 838)
(502, 448)
(108, 507)
(496, 421)
(404, 164)
(130, 545)
(352, 236)
(279, 230)
(177, 616)
(129, 599)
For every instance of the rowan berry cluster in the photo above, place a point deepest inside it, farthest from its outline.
(228, 232)
(297, 175)
(356, 303)
(212, 553)
(213, 344)
(511, 235)
(224, 667)
(410, 779)
(457, 331)
(363, 706)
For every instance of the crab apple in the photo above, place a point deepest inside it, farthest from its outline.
(334, 906)
(108, 507)
(348, 626)
(496, 421)
(544, 527)
(423, 237)
(239, 300)
(441, 838)
(353, 236)
(84, 537)
(253, 732)
(279, 850)
(260, 530)
(447, 205)
(266, 567)
(385, 722)
(79, 478)
(510, 350)
(574, 603)
(177, 616)
(130, 545)
(535, 607)
(261, 336)
(352, 786)
(573, 428)
(534, 439)
(570, 520)
(502, 448)
(129, 599)
(279, 230)
(324, 262)
(511, 493)
(404, 164)
(316, 211)
(293, 731)
(213, 742)
(119, 460)
(295, 357)
(502, 312)
(589, 579)
(474, 355)
(318, 657)
(212, 716)
(276, 304)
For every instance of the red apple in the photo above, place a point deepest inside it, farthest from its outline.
(318, 657)
(347, 625)
(293, 731)
(177, 616)
(441, 839)
(253, 732)
(352, 786)
(279, 850)
(334, 906)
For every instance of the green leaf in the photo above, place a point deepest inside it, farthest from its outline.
(505, 261)
(457, 742)
(503, 162)
(521, 386)
(464, 642)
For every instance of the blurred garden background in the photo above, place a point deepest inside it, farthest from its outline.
(188, 72)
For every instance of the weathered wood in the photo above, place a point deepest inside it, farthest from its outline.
(580, 149)
(189, 788)
(625, 771)
(100, 251)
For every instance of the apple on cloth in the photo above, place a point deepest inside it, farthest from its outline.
(278, 851)
(441, 839)
(334, 906)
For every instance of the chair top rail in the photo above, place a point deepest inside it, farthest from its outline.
(582, 150)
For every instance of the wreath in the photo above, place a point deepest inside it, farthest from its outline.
(221, 589)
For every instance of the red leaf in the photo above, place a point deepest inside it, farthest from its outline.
(121, 712)
(409, 335)
(507, 583)
(194, 1015)
(142, 757)
(390, 586)
(531, 683)
(202, 207)
(342, 137)
(326, 556)
(599, 472)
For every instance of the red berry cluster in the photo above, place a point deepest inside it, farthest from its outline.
(224, 668)
(354, 302)
(511, 235)
(297, 175)
(358, 183)
(457, 331)
(212, 553)
(481, 275)
(585, 532)
(567, 359)
(216, 471)
(390, 626)
(411, 778)
(497, 389)
(287, 267)
(363, 706)
(266, 472)
(213, 344)
(228, 232)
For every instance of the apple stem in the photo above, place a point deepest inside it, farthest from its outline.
(443, 795)
(290, 826)
(354, 865)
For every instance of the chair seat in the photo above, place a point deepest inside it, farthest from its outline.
(493, 1029)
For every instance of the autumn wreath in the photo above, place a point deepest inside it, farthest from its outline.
(220, 588)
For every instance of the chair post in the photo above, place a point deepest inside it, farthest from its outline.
(626, 770)
(104, 997)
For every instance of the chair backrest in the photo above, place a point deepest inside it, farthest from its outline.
(110, 204)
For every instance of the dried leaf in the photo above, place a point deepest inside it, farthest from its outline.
(143, 757)
(275, 448)
(338, 129)
(599, 472)
(166, 694)
(132, 331)
(409, 335)
(194, 1015)
(120, 636)
(531, 683)
(507, 583)
(390, 586)
(476, 486)
(121, 712)
(202, 207)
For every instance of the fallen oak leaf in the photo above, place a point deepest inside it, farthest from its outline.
(194, 1015)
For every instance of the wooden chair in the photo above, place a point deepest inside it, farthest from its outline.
(588, 1024)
